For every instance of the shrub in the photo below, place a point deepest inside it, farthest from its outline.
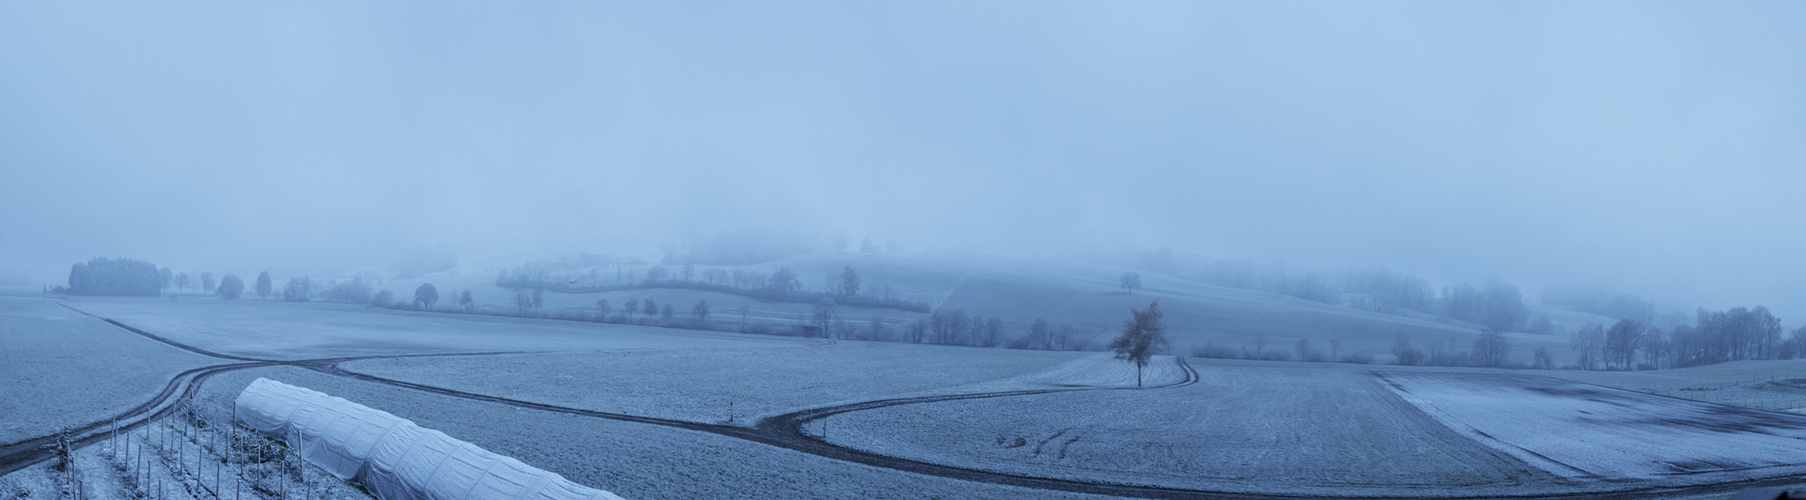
(230, 287)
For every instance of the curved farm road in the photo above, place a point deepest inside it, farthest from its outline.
(783, 431)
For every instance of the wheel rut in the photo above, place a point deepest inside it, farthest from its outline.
(783, 431)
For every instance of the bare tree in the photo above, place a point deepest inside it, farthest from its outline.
(849, 282)
(467, 302)
(1040, 335)
(668, 313)
(1064, 335)
(824, 314)
(1655, 348)
(603, 307)
(1621, 343)
(632, 307)
(948, 325)
(784, 281)
(701, 310)
(1143, 334)
(523, 301)
(992, 332)
(426, 295)
(917, 330)
(1403, 353)
(1491, 349)
(1130, 281)
(207, 283)
(879, 330)
(263, 285)
(1588, 342)
(297, 290)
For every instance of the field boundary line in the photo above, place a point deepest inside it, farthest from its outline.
(764, 432)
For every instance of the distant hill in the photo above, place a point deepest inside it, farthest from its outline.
(1018, 291)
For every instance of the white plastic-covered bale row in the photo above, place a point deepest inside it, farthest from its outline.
(391, 456)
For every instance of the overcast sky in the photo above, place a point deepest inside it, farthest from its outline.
(1658, 148)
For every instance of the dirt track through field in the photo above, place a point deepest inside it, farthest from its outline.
(784, 431)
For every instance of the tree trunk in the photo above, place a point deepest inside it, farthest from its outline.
(1138, 375)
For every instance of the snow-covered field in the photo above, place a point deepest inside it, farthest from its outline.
(699, 384)
(1586, 431)
(64, 369)
(1246, 426)
(636, 461)
(1275, 429)
(277, 330)
(1767, 385)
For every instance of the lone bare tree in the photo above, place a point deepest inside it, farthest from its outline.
(426, 295)
(701, 310)
(1142, 334)
(1130, 281)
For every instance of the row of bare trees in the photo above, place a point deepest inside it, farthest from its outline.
(1714, 337)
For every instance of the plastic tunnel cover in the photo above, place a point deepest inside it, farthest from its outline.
(391, 456)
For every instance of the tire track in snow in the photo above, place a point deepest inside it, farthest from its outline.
(783, 431)
(21, 454)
